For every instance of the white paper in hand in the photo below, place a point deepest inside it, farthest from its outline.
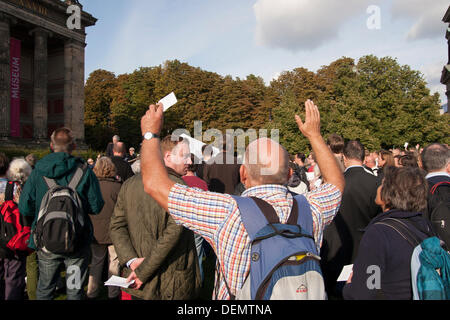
(346, 272)
(168, 101)
(118, 282)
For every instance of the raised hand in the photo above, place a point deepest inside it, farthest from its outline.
(311, 127)
(153, 119)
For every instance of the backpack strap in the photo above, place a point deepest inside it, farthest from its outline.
(9, 191)
(437, 185)
(50, 182)
(252, 210)
(251, 215)
(304, 215)
(74, 182)
(402, 229)
(79, 173)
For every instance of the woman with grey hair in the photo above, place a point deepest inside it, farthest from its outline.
(19, 170)
(13, 264)
(102, 247)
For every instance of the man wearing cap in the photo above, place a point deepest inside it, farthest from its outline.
(131, 158)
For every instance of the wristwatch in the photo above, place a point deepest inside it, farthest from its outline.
(150, 136)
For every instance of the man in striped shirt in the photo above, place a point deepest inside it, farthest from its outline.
(265, 173)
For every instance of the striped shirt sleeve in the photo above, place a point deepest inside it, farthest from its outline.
(200, 211)
(325, 202)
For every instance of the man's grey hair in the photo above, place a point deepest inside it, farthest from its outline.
(116, 137)
(435, 157)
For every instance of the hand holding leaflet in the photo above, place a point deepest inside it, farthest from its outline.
(118, 282)
(346, 272)
(168, 101)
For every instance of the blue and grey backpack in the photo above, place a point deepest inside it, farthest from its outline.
(284, 258)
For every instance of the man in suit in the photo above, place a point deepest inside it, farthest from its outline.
(124, 170)
(222, 175)
(358, 208)
(109, 148)
(436, 162)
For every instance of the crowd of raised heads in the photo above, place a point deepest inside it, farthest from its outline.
(132, 210)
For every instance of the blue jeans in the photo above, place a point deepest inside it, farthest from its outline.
(76, 273)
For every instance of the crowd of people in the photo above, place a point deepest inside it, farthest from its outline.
(152, 215)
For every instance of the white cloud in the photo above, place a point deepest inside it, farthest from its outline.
(432, 73)
(426, 17)
(303, 24)
(308, 24)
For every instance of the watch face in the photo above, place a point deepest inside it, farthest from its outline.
(148, 135)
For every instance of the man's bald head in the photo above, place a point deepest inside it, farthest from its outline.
(119, 149)
(267, 162)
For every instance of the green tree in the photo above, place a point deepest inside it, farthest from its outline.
(375, 100)
(98, 98)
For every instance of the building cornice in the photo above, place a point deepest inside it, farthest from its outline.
(42, 22)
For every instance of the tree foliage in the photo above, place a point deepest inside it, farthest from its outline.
(375, 100)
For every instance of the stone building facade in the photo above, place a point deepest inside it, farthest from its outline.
(41, 69)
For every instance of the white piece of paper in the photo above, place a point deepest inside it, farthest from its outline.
(310, 176)
(346, 272)
(195, 146)
(168, 101)
(118, 282)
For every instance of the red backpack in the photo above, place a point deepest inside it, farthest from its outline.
(14, 234)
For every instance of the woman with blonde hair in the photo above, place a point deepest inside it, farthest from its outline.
(102, 247)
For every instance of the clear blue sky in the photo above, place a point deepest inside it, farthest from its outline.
(264, 37)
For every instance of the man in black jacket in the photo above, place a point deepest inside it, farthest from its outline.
(124, 170)
(436, 162)
(222, 174)
(358, 208)
(109, 148)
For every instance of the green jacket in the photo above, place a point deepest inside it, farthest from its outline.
(60, 167)
(140, 228)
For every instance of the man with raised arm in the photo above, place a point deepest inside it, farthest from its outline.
(265, 172)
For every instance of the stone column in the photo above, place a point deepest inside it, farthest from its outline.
(68, 67)
(40, 83)
(74, 87)
(5, 77)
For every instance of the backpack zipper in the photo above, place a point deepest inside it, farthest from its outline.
(263, 287)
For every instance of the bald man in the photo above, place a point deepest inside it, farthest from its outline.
(265, 173)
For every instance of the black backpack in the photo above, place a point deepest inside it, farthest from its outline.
(14, 228)
(439, 210)
(62, 226)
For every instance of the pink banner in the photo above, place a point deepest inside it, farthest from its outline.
(15, 87)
